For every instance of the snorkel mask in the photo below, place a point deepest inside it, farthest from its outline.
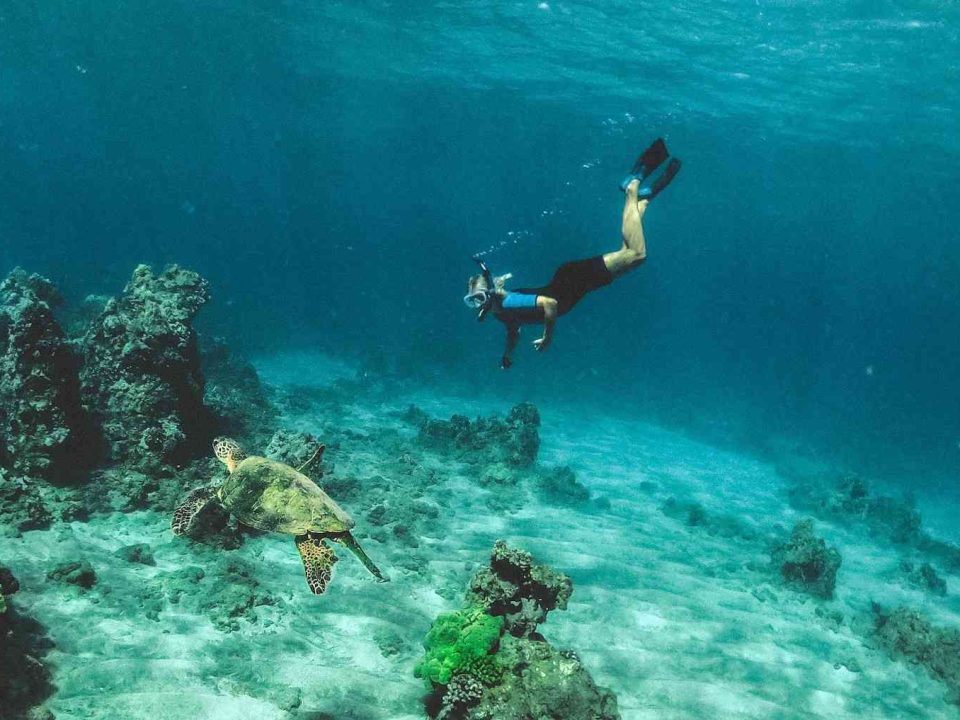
(476, 300)
(481, 300)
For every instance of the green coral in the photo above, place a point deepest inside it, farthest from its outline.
(460, 643)
(488, 669)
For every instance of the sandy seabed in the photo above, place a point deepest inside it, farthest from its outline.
(679, 620)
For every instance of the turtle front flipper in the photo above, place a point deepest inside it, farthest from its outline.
(347, 540)
(188, 509)
(318, 562)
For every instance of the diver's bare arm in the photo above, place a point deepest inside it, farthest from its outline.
(513, 337)
(549, 307)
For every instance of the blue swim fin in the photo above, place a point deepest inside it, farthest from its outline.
(649, 160)
(649, 192)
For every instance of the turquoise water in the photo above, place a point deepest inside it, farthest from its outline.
(331, 167)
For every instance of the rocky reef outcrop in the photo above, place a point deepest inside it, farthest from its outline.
(923, 576)
(502, 455)
(488, 661)
(806, 563)
(119, 401)
(518, 590)
(895, 519)
(24, 679)
(849, 499)
(908, 635)
(513, 440)
(543, 683)
(44, 430)
(235, 396)
(141, 373)
(560, 486)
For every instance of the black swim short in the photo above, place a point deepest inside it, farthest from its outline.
(572, 281)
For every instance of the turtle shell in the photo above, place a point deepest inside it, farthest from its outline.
(268, 495)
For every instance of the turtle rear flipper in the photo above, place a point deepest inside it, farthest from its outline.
(318, 562)
(347, 540)
(188, 509)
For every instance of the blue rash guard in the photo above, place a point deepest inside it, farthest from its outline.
(520, 308)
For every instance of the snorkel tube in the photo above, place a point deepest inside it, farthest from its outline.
(488, 276)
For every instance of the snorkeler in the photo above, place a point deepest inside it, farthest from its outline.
(487, 293)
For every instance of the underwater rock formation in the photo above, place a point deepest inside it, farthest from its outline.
(43, 428)
(544, 683)
(22, 504)
(850, 496)
(24, 680)
(519, 590)
(141, 374)
(226, 592)
(139, 553)
(907, 634)
(693, 514)
(806, 563)
(236, 397)
(514, 440)
(488, 662)
(560, 485)
(924, 576)
(298, 450)
(849, 499)
(503, 452)
(77, 572)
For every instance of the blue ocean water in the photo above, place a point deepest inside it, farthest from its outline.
(331, 167)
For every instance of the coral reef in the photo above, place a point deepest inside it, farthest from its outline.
(504, 452)
(908, 635)
(226, 594)
(514, 587)
(43, 427)
(138, 553)
(235, 396)
(544, 683)
(141, 373)
(694, 514)
(24, 679)
(460, 643)
(560, 485)
(514, 440)
(806, 563)
(488, 662)
(849, 498)
(463, 692)
(297, 449)
(131, 400)
(924, 577)
(77, 572)
(22, 505)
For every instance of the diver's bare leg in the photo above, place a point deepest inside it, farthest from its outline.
(634, 250)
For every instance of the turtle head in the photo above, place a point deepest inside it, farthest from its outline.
(228, 452)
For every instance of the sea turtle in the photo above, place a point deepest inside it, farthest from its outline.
(270, 495)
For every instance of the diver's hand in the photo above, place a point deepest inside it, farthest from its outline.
(541, 344)
(505, 362)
